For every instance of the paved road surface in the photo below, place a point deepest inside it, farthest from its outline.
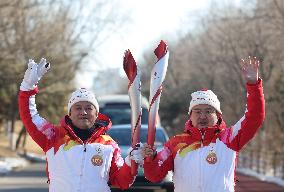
(32, 179)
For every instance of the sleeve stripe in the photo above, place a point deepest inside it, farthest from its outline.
(236, 128)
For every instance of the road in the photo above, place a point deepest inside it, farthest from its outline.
(29, 179)
(32, 179)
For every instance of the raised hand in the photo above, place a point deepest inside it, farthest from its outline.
(249, 68)
(34, 73)
(42, 68)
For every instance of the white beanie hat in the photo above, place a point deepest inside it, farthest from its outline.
(82, 94)
(204, 97)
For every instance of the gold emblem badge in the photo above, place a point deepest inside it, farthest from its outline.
(97, 160)
(211, 157)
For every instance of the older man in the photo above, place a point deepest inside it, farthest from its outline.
(80, 156)
(204, 157)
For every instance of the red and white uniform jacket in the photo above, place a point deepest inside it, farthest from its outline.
(204, 160)
(72, 164)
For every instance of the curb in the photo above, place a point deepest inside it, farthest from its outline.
(32, 157)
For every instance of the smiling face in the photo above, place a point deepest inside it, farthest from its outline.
(83, 114)
(203, 116)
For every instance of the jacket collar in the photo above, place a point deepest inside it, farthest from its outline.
(206, 134)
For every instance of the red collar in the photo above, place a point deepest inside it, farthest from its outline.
(208, 134)
(102, 120)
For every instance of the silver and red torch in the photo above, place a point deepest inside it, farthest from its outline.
(158, 74)
(134, 92)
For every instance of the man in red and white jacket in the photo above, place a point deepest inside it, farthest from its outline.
(204, 157)
(80, 156)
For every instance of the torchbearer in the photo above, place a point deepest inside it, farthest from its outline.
(204, 157)
(79, 153)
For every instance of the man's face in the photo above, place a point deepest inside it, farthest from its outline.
(83, 114)
(203, 116)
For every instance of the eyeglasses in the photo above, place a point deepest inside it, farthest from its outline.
(206, 112)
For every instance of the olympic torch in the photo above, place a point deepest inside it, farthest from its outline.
(134, 92)
(158, 74)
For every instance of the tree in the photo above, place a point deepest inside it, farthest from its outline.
(64, 33)
(209, 58)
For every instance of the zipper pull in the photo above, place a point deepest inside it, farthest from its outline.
(202, 138)
(85, 148)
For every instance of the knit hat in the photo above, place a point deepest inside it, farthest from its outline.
(204, 97)
(82, 94)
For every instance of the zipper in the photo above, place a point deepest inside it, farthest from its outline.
(82, 166)
(201, 160)
(202, 138)
(200, 166)
(85, 148)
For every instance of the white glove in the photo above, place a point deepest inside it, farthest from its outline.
(33, 74)
(135, 154)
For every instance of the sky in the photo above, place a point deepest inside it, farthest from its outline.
(150, 20)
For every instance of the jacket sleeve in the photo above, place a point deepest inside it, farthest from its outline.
(244, 130)
(39, 129)
(157, 169)
(120, 173)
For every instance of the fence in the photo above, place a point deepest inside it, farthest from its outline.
(263, 162)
